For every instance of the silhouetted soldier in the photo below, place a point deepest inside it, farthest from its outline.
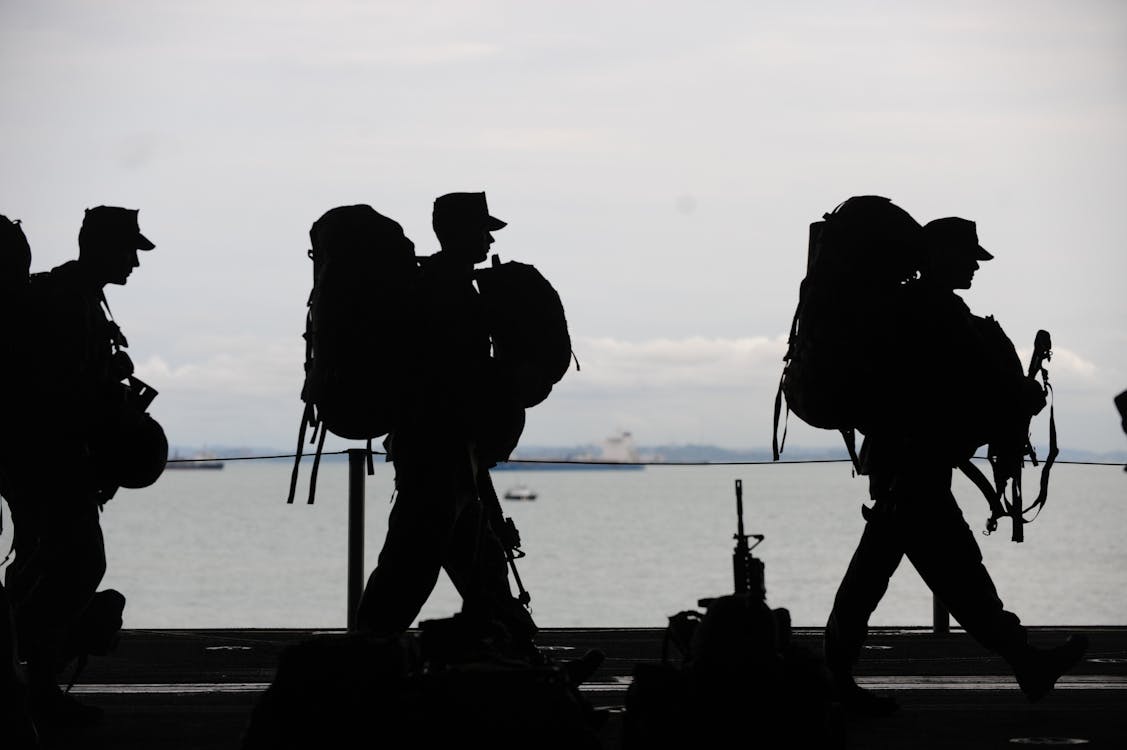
(954, 392)
(16, 725)
(58, 481)
(457, 414)
(1121, 407)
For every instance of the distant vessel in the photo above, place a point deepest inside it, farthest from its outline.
(520, 492)
(197, 461)
(617, 453)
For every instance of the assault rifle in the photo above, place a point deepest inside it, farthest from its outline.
(504, 528)
(747, 570)
(1007, 461)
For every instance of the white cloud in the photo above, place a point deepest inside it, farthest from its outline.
(695, 362)
(251, 368)
(1067, 364)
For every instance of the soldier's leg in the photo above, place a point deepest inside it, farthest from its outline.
(876, 558)
(478, 567)
(946, 554)
(949, 559)
(57, 584)
(15, 708)
(420, 529)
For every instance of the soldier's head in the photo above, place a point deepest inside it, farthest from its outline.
(952, 252)
(463, 225)
(108, 243)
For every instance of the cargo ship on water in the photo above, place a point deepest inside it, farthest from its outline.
(616, 453)
(202, 460)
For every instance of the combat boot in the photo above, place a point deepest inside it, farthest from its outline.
(1038, 670)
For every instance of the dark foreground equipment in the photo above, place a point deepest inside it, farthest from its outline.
(731, 670)
(416, 691)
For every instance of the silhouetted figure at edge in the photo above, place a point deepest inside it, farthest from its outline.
(1121, 407)
(54, 478)
(458, 419)
(16, 724)
(946, 383)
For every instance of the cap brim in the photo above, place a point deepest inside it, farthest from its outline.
(143, 242)
(492, 223)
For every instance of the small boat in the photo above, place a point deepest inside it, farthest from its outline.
(520, 492)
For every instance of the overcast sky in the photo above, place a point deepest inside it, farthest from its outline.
(658, 161)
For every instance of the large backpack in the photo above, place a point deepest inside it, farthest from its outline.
(15, 262)
(528, 327)
(859, 257)
(364, 268)
(15, 255)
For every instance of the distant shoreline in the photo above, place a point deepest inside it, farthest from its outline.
(669, 454)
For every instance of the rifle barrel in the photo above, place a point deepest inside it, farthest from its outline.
(740, 510)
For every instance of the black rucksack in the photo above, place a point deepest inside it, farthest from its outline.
(527, 326)
(859, 257)
(364, 269)
(15, 255)
(15, 265)
(15, 262)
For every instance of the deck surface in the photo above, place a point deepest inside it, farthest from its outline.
(195, 689)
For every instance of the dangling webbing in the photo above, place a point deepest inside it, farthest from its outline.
(995, 493)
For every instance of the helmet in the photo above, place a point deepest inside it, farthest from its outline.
(136, 454)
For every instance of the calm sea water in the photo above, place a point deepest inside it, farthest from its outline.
(604, 548)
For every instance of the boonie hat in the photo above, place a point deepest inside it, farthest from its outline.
(954, 233)
(465, 209)
(115, 224)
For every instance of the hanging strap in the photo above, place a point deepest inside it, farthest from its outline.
(993, 497)
(849, 435)
(307, 418)
(776, 444)
(1050, 459)
(1013, 506)
(316, 460)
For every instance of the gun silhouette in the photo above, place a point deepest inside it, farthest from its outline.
(504, 528)
(747, 569)
(1007, 464)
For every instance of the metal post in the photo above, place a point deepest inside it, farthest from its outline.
(940, 618)
(357, 461)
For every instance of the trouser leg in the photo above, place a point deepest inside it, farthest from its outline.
(419, 530)
(876, 558)
(478, 568)
(475, 562)
(946, 554)
(8, 659)
(57, 581)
